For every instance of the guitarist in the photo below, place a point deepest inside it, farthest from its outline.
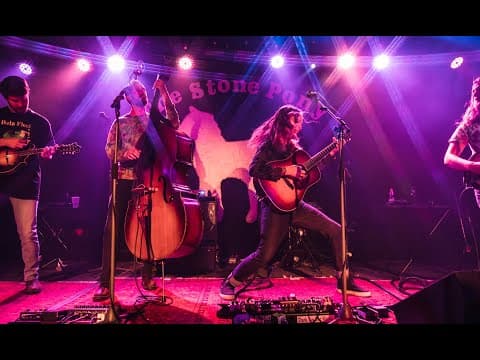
(467, 133)
(276, 139)
(21, 127)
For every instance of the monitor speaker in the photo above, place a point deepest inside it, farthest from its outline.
(454, 299)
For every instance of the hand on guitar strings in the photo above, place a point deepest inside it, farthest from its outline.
(296, 172)
(48, 151)
(335, 150)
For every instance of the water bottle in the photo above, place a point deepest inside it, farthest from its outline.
(391, 195)
(413, 194)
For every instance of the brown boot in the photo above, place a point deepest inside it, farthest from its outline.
(32, 287)
(149, 284)
(101, 294)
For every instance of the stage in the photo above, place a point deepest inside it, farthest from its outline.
(66, 297)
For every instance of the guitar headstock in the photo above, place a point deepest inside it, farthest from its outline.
(69, 149)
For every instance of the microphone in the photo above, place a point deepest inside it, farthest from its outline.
(116, 101)
(314, 95)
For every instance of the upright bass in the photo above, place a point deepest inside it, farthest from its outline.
(164, 216)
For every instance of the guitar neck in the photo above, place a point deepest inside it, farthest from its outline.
(322, 154)
(29, 152)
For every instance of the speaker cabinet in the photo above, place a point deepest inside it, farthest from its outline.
(455, 299)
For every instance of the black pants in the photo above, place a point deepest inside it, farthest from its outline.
(124, 194)
(273, 230)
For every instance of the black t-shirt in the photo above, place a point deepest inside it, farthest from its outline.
(24, 181)
(260, 169)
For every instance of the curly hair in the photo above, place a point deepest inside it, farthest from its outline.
(472, 112)
(275, 127)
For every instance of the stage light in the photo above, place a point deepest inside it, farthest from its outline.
(456, 63)
(381, 62)
(84, 65)
(116, 63)
(346, 61)
(185, 63)
(277, 61)
(25, 68)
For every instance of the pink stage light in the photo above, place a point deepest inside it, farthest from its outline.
(185, 63)
(84, 65)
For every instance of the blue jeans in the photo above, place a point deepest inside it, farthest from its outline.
(25, 212)
(273, 230)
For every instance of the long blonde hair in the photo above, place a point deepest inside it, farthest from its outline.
(472, 112)
(276, 127)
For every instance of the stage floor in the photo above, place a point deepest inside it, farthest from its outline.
(195, 299)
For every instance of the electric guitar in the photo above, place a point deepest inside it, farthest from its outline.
(286, 193)
(470, 178)
(11, 160)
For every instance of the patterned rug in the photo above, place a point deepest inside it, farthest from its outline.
(182, 300)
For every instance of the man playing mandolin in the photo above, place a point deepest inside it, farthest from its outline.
(21, 127)
(276, 162)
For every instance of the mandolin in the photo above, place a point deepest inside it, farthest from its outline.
(11, 160)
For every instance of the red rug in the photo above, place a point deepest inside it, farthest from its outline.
(182, 300)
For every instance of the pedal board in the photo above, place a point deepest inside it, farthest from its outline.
(78, 315)
(42, 316)
(285, 310)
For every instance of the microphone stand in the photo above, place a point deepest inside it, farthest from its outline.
(346, 313)
(112, 316)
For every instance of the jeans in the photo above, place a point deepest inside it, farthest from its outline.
(25, 213)
(124, 194)
(273, 230)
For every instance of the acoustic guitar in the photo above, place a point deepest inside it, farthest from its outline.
(471, 179)
(11, 160)
(286, 193)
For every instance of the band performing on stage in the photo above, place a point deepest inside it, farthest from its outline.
(239, 179)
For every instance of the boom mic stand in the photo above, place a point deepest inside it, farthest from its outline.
(346, 313)
(111, 316)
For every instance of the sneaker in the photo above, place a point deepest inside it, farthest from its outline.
(352, 288)
(227, 290)
(32, 287)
